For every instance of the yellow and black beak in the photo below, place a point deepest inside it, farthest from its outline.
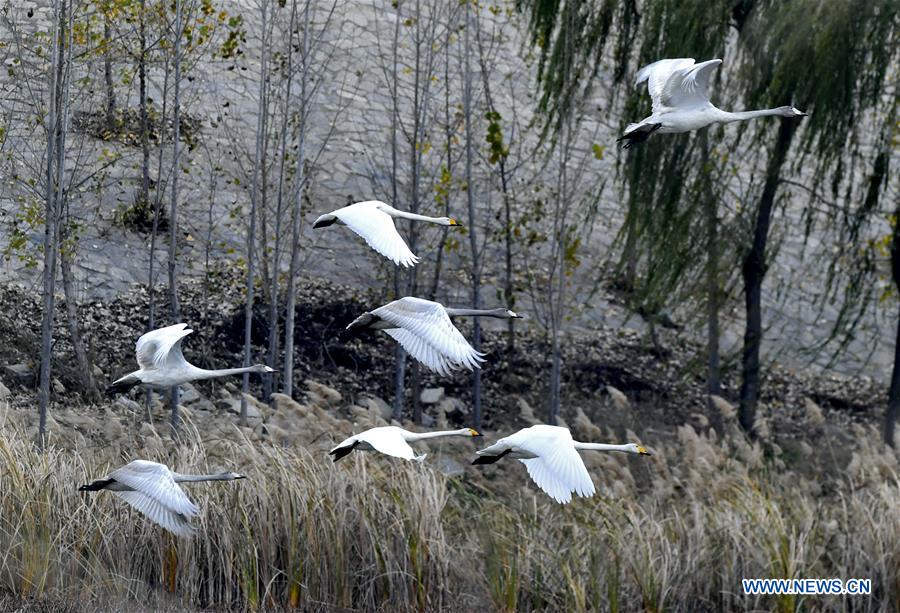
(644, 451)
(475, 432)
(453, 222)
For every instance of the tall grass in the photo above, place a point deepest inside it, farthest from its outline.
(372, 533)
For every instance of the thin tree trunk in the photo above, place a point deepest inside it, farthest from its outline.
(254, 206)
(399, 353)
(174, 304)
(296, 217)
(83, 363)
(473, 241)
(713, 376)
(893, 407)
(51, 218)
(108, 75)
(753, 271)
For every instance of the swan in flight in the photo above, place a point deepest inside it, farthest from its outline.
(391, 440)
(163, 365)
(374, 221)
(152, 489)
(552, 460)
(425, 331)
(679, 90)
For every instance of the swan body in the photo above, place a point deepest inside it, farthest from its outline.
(679, 90)
(374, 221)
(551, 457)
(393, 441)
(425, 331)
(153, 489)
(163, 365)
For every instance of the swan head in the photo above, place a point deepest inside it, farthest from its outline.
(233, 476)
(637, 449)
(513, 314)
(262, 369)
(470, 432)
(448, 221)
(789, 111)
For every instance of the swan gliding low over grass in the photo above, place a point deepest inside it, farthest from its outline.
(679, 90)
(391, 440)
(374, 221)
(163, 365)
(552, 460)
(425, 331)
(153, 489)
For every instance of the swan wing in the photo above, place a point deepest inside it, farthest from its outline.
(657, 74)
(688, 87)
(426, 332)
(155, 481)
(557, 469)
(176, 523)
(162, 348)
(389, 441)
(378, 230)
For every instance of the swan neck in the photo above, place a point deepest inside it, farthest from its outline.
(414, 216)
(600, 447)
(202, 373)
(419, 436)
(181, 478)
(727, 117)
(475, 313)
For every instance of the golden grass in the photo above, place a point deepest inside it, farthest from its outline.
(372, 533)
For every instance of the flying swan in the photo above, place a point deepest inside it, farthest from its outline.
(391, 440)
(679, 90)
(552, 460)
(374, 221)
(152, 489)
(425, 331)
(163, 365)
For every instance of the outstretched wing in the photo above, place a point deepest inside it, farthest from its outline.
(557, 469)
(378, 230)
(389, 441)
(424, 329)
(155, 481)
(657, 74)
(162, 347)
(688, 87)
(176, 523)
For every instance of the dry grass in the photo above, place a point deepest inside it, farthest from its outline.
(676, 532)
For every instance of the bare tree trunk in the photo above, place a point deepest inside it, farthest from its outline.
(108, 75)
(473, 242)
(83, 363)
(296, 215)
(713, 377)
(399, 353)
(174, 304)
(261, 120)
(144, 114)
(753, 271)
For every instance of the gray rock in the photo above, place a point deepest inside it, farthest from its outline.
(432, 395)
(450, 467)
(20, 374)
(427, 420)
(128, 404)
(383, 408)
(189, 394)
(4, 392)
(233, 405)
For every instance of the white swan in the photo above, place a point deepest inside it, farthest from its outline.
(679, 91)
(424, 329)
(163, 365)
(391, 440)
(152, 489)
(552, 460)
(374, 221)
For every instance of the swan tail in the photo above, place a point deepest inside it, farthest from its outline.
(122, 386)
(340, 452)
(325, 220)
(96, 486)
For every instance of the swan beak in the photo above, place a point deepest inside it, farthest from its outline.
(453, 222)
(474, 432)
(643, 450)
(268, 369)
(241, 477)
(515, 315)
